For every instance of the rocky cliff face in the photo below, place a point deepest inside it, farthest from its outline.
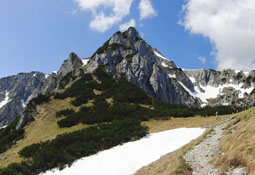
(15, 91)
(227, 87)
(53, 81)
(129, 55)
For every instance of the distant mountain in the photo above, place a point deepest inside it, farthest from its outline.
(128, 54)
(227, 87)
(15, 91)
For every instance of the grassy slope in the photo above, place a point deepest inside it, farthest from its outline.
(171, 163)
(43, 128)
(238, 144)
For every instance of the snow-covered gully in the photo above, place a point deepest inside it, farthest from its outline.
(126, 159)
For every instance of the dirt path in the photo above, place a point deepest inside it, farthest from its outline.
(200, 156)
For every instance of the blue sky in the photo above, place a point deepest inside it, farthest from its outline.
(39, 35)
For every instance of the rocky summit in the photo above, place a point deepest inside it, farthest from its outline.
(127, 54)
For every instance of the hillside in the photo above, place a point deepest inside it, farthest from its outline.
(94, 104)
(128, 54)
(124, 91)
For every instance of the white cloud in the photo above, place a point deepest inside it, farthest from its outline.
(230, 26)
(128, 24)
(146, 9)
(202, 59)
(101, 20)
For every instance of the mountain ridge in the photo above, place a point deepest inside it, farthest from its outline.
(126, 53)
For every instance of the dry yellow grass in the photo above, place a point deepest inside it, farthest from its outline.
(189, 122)
(43, 128)
(170, 163)
(238, 143)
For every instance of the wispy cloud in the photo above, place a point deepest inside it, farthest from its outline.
(202, 59)
(101, 20)
(146, 9)
(107, 13)
(230, 26)
(128, 24)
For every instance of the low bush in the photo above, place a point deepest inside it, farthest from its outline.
(64, 112)
(68, 147)
(9, 135)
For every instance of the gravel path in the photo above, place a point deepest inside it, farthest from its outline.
(201, 155)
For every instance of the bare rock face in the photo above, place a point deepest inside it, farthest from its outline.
(15, 91)
(51, 83)
(231, 87)
(127, 53)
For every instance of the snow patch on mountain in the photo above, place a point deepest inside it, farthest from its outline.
(159, 55)
(208, 91)
(6, 100)
(126, 159)
(3, 127)
(164, 64)
(172, 75)
(84, 61)
(23, 103)
(194, 94)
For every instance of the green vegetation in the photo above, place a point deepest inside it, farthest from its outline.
(101, 50)
(65, 80)
(40, 99)
(115, 46)
(9, 135)
(64, 112)
(67, 148)
(125, 104)
(211, 110)
(111, 123)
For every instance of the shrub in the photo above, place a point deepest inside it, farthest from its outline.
(68, 147)
(9, 135)
(65, 80)
(40, 99)
(64, 112)
(69, 121)
(102, 49)
(28, 151)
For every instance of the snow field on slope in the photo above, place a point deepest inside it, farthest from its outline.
(6, 100)
(213, 92)
(126, 159)
(3, 127)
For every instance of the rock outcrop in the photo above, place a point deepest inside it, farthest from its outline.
(128, 54)
(15, 91)
(227, 87)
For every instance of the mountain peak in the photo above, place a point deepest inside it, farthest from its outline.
(71, 63)
(130, 35)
